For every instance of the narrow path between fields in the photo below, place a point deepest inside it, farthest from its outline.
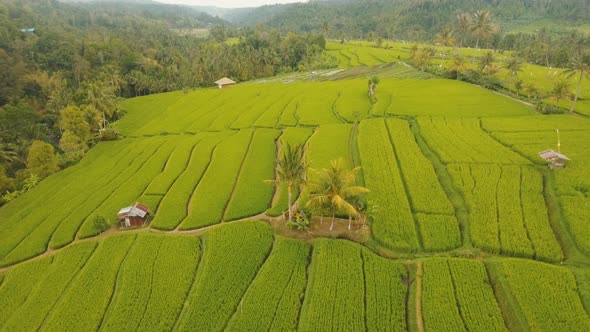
(419, 275)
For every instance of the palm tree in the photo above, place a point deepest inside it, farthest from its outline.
(458, 65)
(531, 90)
(513, 65)
(463, 23)
(578, 67)
(482, 27)
(291, 169)
(486, 61)
(102, 99)
(334, 187)
(445, 38)
(7, 153)
(561, 90)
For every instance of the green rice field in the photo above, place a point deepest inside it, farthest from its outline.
(471, 232)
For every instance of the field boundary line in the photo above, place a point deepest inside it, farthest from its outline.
(501, 247)
(282, 112)
(278, 149)
(144, 192)
(461, 315)
(239, 305)
(68, 286)
(335, 112)
(509, 307)
(149, 298)
(364, 289)
(419, 280)
(188, 161)
(268, 109)
(190, 290)
(114, 292)
(305, 290)
(524, 224)
(405, 185)
(237, 178)
(192, 196)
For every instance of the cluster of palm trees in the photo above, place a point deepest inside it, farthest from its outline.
(333, 190)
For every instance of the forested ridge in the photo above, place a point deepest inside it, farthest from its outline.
(402, 19)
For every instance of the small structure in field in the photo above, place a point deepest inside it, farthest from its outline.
(554, 159)
(224, 83)
(135, 215)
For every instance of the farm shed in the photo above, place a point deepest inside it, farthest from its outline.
(555, 159)
(224, 82)
(135, 215)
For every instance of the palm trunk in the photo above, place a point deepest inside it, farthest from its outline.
(577, 93)
(104, 121)
(290, 194)
(321, 219)
(333, 220)
(349, 221)
(476, 50)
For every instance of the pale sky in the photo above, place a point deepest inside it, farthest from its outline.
(229, 3)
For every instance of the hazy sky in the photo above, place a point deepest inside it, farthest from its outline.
(229, 3)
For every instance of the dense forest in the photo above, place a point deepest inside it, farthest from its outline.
(65, 66)
(416, 20)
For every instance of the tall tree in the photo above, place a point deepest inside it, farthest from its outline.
(486, 61)
(581, 68)
(561, 90)
(335, 187)
(101, 98)
(482, 27)
(445, 38)
(291, 169)
(42, 160)
(514, 66)
(458, 65)
(463, 24)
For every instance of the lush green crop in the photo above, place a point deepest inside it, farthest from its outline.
(475, 296)
(577, 212)
(329, 142)
(334, 298)
(251, 194)
(141, 108)
(174, 206)
(175, 165)
(385, 293)
(37, 229)
(51, 286)
(394, 224)
(438, 232)
(87, 298)
(173, 273)
(134, 284)
(426, 192)
(546, 295)
(17, 286)
(232, 256)
(210, 198)
(463, 140)
(502, 218)
(353, 103)
(275, 294)
(439, 303)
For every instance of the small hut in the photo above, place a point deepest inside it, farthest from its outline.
(554, 159)
(224, 83)
(135, 215)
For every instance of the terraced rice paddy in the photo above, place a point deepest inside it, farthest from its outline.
(452, 169)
